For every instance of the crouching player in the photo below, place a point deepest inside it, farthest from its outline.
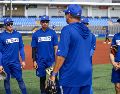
(11, 45)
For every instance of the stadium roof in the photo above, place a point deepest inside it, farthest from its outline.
(60, 3)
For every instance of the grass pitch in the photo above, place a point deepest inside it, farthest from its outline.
(101, 81)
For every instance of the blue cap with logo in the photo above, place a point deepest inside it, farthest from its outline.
(85, 20)
(44, 18)
(74, 9)
(7, 20)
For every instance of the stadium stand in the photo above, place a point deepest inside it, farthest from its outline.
(26, 16)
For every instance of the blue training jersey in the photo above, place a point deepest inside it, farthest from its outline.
(93, 44)
(93, 41)
(10, 44)
(116, 41)
(75, 46)
(45, 41)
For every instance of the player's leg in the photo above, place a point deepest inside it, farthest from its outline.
(41, 73)
(117, 88)
(105, 40)
(7, 80)
(7, 84)
(42, 84)
(16, 72)
(116, 80)
(22, 85)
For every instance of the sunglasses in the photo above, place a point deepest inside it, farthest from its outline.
(66, 13)
(9, 24)
(45, 21)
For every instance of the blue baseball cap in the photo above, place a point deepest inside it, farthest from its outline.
(74, 9)
(7, 20)
(44, 18)
(85, 20)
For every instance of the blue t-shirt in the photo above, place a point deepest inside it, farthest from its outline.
(45, 41)
(74, 46)
(107, 33)
(93, 46)
(10, 44)
(116, 41)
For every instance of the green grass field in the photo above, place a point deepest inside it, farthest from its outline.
(101, 81)
(27, 39)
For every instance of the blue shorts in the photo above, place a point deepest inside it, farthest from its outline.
(76, 90)
(13, 70)
(115, 76)
(41, 70)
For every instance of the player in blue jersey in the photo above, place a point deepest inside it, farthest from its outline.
(73, 55)
(115, 61)
(93, 46)
(106, 35)
(44, 46)
(86, 22)
(11, 45)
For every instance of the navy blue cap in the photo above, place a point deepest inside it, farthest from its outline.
(7, 20)
(85, 20)
(74, 9)
(44, 18)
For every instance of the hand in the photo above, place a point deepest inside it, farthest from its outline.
(119, 65)
(116, 65)
(23, 64)
(35, 65)
(1, 69)
(52, 78)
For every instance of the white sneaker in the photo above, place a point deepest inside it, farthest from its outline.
(109, 42)
(104, 42)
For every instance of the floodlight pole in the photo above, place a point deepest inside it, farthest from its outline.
(11, 8)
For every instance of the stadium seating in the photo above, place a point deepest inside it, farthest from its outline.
(28, 23)
(60, 21)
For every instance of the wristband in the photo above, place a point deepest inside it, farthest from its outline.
(53, 74)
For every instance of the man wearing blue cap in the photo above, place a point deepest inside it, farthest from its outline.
(11, 44)
(86, 22)
(73, 55)
(115, 61)
(44, 46)
(106, 34)
(93, 46)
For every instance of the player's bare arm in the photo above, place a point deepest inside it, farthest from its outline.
(35, 65)
(55, 48)
(115, 64)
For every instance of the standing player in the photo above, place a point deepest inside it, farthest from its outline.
(93, 42)
(86, 22)
(73, 55)
(44, 46)
(115, 61)
(106, 35)
(11, 45)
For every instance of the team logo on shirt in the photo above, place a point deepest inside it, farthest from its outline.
(47, 38)
(118, 42)
(12, 40)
